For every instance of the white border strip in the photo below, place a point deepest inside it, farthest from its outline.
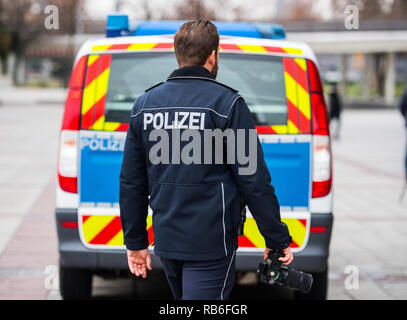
(285, 138)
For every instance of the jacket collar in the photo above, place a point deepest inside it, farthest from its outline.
(193, 72)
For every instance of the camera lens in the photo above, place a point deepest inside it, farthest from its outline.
(297, 280)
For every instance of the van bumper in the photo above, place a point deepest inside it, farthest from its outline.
(74, 254)
(313, 258)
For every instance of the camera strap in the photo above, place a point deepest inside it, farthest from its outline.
(242, 217)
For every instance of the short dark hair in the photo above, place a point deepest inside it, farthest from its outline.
(195, 41)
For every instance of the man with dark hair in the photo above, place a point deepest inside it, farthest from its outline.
(403, 110)
(193, 49)
(335, 109)
(196, 206)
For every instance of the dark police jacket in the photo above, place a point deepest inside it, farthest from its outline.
(195, 205)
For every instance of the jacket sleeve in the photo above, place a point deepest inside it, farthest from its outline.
(256, 187)
(133, 192)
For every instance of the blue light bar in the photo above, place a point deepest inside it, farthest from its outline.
(117, 25)
(270, 31)
(156, 28)
(237, 29)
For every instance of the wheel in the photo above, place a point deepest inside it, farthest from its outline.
(75, 283)
(319, 288)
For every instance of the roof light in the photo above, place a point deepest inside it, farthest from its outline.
(270, 31)
(117, 25)
(236, 29)
(152, 28)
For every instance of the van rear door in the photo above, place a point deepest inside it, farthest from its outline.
(276, 91)
(112, 84)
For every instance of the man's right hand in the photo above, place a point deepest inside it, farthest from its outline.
(138, 261)
(288, 256)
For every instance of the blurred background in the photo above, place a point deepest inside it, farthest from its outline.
(366, 60)
(370, 63)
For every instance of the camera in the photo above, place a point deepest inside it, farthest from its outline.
(271, 272)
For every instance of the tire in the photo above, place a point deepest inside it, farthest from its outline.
(319, 289)
(75, 284)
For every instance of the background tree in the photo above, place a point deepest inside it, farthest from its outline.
(399, 9)
(303, 10)
(5, 44)
(194, 9)
(22, 23)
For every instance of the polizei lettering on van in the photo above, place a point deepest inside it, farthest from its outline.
(102, 144)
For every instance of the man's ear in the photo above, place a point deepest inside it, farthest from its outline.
(212, 58)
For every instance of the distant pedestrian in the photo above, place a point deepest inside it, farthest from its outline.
(403, 110)
(335, 108)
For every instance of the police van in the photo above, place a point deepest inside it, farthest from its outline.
(281, 85)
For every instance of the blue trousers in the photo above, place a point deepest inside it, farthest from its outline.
(201, 280)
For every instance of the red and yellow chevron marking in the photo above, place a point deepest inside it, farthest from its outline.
(94, 93)
(259, 49)
(97, 77)
(253, 239)
(297, 72)
(169, 46)
(135, 47)
(115, 126)
(106, 230)
(298, 100)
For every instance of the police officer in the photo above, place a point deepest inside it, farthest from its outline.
(335, 109)
(403, 110)
(195, 203)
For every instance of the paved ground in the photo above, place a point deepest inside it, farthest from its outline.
(370, 223)
(29, 136)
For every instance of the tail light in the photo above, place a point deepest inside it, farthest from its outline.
(318, 229)
(68, 146)
(71, 224)
(322, 169)
(68, 158)
(321, 173)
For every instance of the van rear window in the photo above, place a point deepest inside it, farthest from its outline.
(260, 81)
(130, 75)
(258, 78)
